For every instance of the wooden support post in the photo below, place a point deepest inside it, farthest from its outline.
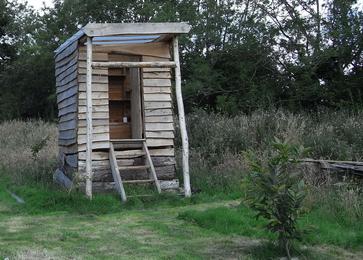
(183, 128)
(89, 120)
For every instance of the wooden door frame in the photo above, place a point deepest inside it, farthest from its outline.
(136, 129)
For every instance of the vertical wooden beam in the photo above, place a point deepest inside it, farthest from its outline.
(135, 85)
(89, 120)
(183, 128)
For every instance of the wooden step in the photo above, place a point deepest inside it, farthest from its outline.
(139, 181)
(129, 154)
(124, 146)
(127, 143)
(134, 167)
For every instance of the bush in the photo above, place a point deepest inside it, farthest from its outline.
(276, 192)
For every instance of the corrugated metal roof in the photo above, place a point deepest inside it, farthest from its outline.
(124, 39)
(71, 40)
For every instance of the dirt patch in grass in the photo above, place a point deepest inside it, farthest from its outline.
(35, 254)
(231, 248)
(337, 252)
(14, 225)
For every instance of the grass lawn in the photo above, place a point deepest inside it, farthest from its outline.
(58, 225)
(317, 226)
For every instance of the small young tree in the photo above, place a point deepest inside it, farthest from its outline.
(275, 190)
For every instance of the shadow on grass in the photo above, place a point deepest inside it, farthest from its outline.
(269, 250)
(318, 225)
(40, 200)
(48, 199)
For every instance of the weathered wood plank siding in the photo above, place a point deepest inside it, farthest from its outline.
(159, 126)
(158, 116)
(67, 89)
(100, 109)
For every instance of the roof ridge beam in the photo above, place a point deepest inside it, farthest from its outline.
(95, 29)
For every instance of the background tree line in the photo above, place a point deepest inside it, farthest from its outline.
(241, 55)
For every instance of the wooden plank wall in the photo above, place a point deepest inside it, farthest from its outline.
(158, 113)
(100, 110)
(158, 116)
(67, 92)
(159, 127)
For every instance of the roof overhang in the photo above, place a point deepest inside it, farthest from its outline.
(118, 29)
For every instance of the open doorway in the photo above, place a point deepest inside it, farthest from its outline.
(125, 100)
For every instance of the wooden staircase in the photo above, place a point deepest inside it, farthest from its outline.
(130, 149)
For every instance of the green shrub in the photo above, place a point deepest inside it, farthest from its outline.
(38, 146)
(276, 192)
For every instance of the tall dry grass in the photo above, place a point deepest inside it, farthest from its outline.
(218, 142)
(330, 135)
(28, 150)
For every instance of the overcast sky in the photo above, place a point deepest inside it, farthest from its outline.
(39, 3)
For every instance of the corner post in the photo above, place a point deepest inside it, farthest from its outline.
(89, 174)
(183, 128)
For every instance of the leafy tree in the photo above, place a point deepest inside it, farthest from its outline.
(240, 78)
(276, 192)
(27, 89)
(7, 52)
(316, 50)
(341, 64)
(241, 55)
(27, 81)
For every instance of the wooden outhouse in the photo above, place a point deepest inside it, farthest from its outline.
(114, 95)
